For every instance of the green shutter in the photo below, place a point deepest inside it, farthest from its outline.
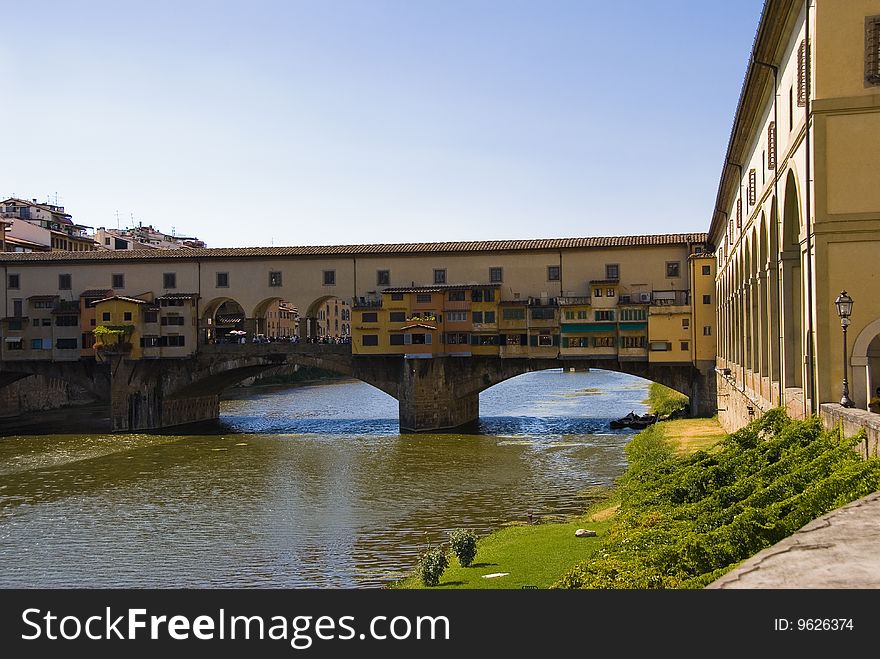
(556, 339)
(564, 341)
(533, 340)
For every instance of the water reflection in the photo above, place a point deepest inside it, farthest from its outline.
(305, 487)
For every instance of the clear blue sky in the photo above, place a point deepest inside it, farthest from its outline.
(300, 123)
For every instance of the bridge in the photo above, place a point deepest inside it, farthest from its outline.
(433, 394)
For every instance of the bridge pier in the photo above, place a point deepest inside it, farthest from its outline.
(139, 399)
(430, 396)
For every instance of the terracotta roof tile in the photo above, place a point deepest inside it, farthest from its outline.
(361, 250)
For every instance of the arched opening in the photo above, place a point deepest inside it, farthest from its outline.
(792, 287)
(276, 319)
(763, 285)
(327, 320)
(754, 325)
(865, 363)
(224, 321)
(746, 288)
(773, 295)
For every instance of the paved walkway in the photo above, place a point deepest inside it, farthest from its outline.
(838, 550)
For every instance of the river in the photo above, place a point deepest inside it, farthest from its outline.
(302, 487)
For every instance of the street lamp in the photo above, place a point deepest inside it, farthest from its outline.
(844, 309)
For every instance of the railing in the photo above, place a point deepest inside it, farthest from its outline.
(571, 300)
(366, 303)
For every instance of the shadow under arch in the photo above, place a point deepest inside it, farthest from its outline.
(222, 316)
(865, 362)
(792, 286)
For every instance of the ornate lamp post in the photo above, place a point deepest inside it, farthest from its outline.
(844, 309)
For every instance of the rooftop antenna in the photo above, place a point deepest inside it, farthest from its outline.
(117, 220)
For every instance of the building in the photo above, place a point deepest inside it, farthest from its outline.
(34, 227)
(797, 214)
(143, 237)
(333, 320)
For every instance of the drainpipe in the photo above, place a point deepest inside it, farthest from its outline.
(775, 70)
(808, 219)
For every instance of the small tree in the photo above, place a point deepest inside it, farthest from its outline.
(464, 544)
(431, 566)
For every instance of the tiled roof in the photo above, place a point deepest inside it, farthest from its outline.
(42, 298)
(437, 288)
(124, 298)
(357, 250)
(97, 292)
(178, 296)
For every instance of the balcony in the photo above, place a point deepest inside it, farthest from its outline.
(366, 303)
(571, 301)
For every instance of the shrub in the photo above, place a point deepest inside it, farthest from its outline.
(464, 544)
(431, 566)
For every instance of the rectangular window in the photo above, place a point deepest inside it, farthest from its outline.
(597, 292)
(397, 297)
(685, 345)
(514, 314)
(489, 295)
(222, 280)
(496, 275)
(169, 280)
(605, 315)
(126, 316)
(14, 281)
(739, 213)
(275, 278)
(553, 273)
(369, 317)
(489, 317)
(370, 339)
(456, 316)
(396, 339)
(673, 269)
(612, 271)
(632, 341)
(753, 187)
(176, 341)
(609, 292)
(771, 146)
(545, 313)
(329, 277)
(545, 340)
(63, 282)
(151, 316)
(440, 276)
(476, 295)
(603, 341)
(383, 277)
(172, 320)
(105, 317)
(47, 322)
(423, 298)
(707, 330)
(707, 299)
(707, 270)
(149, 341)
(36, 344)
(477, 317)
(456, 296)
(117, 280)
(569, 315)
(685, 323)
(397, 316)
(67, 344)
(872, 50)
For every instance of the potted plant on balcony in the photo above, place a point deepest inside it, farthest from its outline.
(112, 340)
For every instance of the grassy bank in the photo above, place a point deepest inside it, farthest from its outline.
(665, 401)
(684, 521)
(539, 555)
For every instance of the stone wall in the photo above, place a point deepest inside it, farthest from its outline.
(851, 421)
(37, 392)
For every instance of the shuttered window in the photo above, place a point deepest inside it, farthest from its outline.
(802, 74)
(872, 50)
(771, 146)
(739, 213)
(753, 187)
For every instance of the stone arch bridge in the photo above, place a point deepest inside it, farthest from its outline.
(434, 394)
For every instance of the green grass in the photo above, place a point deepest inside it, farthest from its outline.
(663, 401)
(684, 521)
(532, 555)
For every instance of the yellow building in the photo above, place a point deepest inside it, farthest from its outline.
(120, 322)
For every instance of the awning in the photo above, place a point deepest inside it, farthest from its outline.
(586, 328)
(13, 339)
(664, 295)
(633, 327)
